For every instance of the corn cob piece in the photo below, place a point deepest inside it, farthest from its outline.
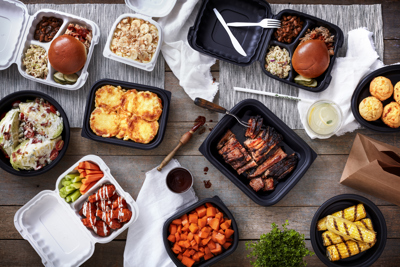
(349, 229)
(330, 238)
(346, 249)
(353, 213)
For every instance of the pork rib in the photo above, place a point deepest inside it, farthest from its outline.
(276, 157)
(224, 139)
(257, 184)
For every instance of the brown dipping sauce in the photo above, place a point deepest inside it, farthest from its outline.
(179, 180)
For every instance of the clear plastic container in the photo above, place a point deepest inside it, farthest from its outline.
(15, 18)
(53, 227)
(145, 10)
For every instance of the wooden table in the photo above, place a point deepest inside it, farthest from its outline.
(129, 166)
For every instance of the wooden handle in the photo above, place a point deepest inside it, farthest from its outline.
(169, 157)
(209, 105)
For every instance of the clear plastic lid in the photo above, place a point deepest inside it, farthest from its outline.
(13, 19)
(151, 8)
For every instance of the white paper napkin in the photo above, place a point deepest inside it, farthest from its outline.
(189, 66)
(361, 59)
(144, 244)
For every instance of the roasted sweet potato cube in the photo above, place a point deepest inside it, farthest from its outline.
(205, 232)
(172, 229)
(205, 241)
(214, 223)
(209, 205)
(188, 262)
(202, 222)
(208, 256)
(211, 212)
(177, 237)
(196, 257)
(179, 230)
(227, 245)
(193, 218)
(197, 238)
(179, 256)
(184, 236)
(191, 252)
(193, 243)
(193, 228)
(213, 237)
(171, 238)
(187, 253)
(177, 247)
(184, 222)
(211, 245)
(195, 247)
(185, 228)
(186, 244)
(184, 217)
(201, 249)
(201, 211)
(219, 215)
(201, 254)
(190, 236)
(220, 238)
(177, 221)
(217, 250)
(228, 233)
(221, 231)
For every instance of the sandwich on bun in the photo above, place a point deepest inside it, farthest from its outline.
(67, 54)
(311, 58)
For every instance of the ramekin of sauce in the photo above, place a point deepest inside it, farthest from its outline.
(324, 118)
(179, 180)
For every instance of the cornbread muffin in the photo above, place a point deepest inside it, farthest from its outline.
(125, 118)
(381, 87)
(371, 108)
(391, 115)
(396, 93)
(105, 122)
(142, 131)
(145, 104)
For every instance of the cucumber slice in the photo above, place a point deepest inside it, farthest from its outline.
(71, 78)
(58, 81)
(59, 76)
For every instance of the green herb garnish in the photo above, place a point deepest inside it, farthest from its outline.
(329, 122)
(279, 248)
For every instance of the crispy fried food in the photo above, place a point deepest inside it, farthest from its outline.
(109, 97)
(104, 193)
(122, 215)
(144, 104)
(101, 229)
(105, 122)
(142, 131)
(120, 202)
(125, 118)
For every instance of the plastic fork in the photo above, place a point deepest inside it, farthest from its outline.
(265, 23)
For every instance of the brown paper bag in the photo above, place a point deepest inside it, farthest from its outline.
(373, 167)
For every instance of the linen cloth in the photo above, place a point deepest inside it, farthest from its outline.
(189, 66)
(369, 16)
(144, 244)
(361, 58)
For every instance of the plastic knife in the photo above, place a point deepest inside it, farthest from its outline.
(234, 41)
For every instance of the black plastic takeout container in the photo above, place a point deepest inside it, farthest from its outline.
(362, 91)
(217, 202)
(341, 202)
(291, 143)
(164, 95)
(6, 105)
(209, 37)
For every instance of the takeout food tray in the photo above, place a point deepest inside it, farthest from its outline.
(6, 105)
(164, 95)
(362, 91)
(54, 228)
(209, 37)
(291, 143)
(341, 202)
(18, 31)
(145, 10)
(217, 202)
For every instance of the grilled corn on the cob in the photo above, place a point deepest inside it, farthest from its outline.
(353, 213)
(349, 229)
(346, 249)
(330, 238)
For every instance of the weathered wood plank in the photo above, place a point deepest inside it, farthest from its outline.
(335, 145)
(318, 185)
(252, 221)
(111, 254)
(392, 50)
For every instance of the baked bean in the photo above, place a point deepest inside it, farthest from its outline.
(290, 29)
(47, 28)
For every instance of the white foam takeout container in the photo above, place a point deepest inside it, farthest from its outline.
(17, 32)
(145, 10)
(53, 227)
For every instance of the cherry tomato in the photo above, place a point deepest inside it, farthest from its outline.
(59, 145)
(53, 154)
(53, 109)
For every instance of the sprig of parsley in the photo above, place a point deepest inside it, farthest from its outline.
(279, 248)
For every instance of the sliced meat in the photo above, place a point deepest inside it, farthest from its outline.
(233, 155)
(280, 167)
(238, 164)
(245, 154)
(268, 184)
(229, 146)
(224, 139)
(252, 126)
(262, 157)
(286, 173)
(258, 127)
(276, 157)
(257, 184)
(246, 167)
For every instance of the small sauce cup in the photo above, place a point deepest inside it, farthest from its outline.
(179, 180)
(324, 118)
